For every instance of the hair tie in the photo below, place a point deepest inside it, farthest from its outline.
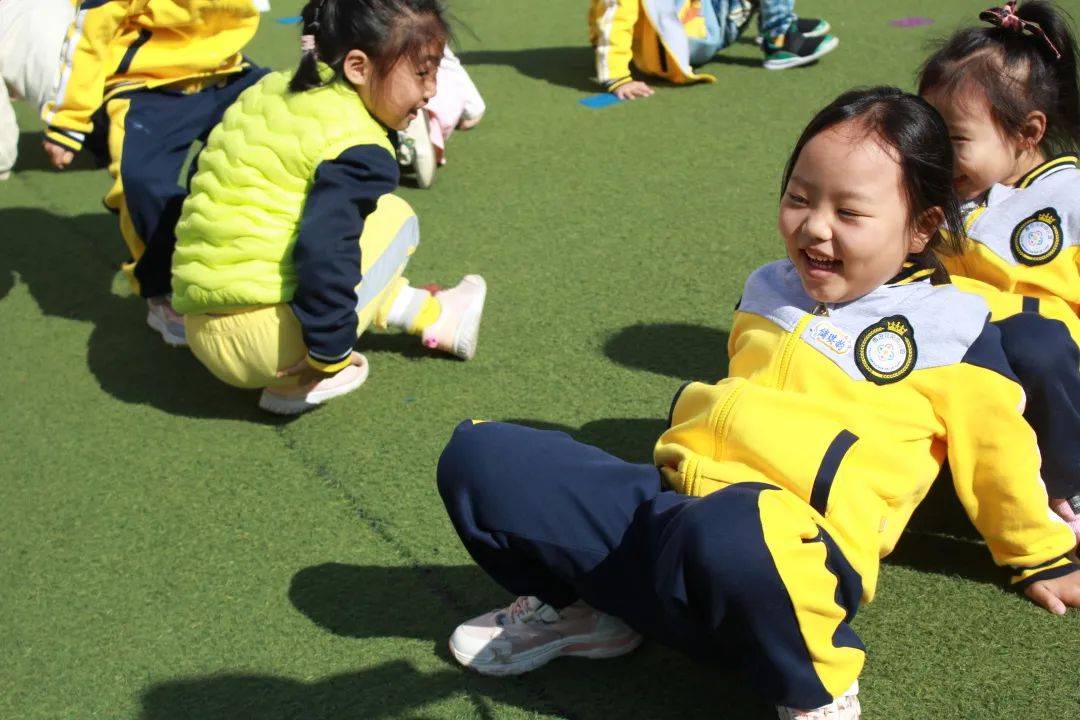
(1006, 17)
(307, 43)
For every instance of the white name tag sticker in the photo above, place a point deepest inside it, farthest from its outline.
(832, 337)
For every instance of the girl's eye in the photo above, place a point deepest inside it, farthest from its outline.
(849, 213)
(797, 199)
(957, 138)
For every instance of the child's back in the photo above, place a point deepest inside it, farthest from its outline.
(247, 198)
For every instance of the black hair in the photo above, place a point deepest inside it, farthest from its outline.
(1018, 71)
(386, 30)
(915, 132)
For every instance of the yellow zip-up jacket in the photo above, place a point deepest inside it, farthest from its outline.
(118, 45)
(855, 407)
(647, 32)
(1025, 244)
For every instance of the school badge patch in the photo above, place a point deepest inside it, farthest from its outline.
(1038, 239)
(886, 352)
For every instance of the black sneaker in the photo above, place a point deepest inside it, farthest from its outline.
(793, 48)
(807, 27)
(812, 27)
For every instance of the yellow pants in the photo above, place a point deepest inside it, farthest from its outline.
(248, 347)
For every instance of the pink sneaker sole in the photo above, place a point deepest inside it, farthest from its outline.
(346, 381)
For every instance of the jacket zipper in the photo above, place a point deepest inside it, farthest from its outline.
(789, 348)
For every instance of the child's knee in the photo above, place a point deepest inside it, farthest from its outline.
(465, 467)
(1036, 346)
(717, 532)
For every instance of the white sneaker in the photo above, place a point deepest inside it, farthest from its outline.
(530, 633)
(297, 400)
(457, 329)
(161, 317)
(845, 707)
(416, 151)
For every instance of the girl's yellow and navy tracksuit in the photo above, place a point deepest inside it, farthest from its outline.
(280, 250)
(1024, 260)
(160, 73)
(775, 492)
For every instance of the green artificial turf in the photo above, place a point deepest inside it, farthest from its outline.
(166, 551)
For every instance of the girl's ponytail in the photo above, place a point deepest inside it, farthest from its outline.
(1062, 68)
(306, 76)
(385, 30)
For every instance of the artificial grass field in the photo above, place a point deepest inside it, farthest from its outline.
(167, 551)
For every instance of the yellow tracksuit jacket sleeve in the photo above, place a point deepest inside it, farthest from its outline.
(612, 32)
(995, 463)
(87, 62)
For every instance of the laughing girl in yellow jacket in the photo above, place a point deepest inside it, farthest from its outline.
(856, 371)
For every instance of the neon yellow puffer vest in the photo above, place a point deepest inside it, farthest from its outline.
(238, 227)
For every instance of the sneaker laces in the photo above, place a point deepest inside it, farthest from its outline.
(527, 609)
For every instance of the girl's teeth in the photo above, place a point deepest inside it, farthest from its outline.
(821, 262)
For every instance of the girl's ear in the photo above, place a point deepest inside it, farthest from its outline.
(1033, 130)
(357, 68)
(926, 227)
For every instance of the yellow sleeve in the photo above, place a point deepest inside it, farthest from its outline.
(614, 39)
(86, 63)
(995, 463)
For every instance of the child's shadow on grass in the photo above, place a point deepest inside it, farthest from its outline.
(569, 67)
(68, 265)
(679, 350)
(425, 603)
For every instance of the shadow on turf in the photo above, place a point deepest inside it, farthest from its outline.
(569, 67)
(68, 265)
(678, 350)
(396, 602)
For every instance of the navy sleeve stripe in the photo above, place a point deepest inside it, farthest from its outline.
(675, 401)
(830, 464)
(129, 56)
(1050, 574)
(327, 253)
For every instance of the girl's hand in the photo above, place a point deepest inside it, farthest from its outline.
(633, 89)
(307, 375)
(60, 157)
(1056, 595)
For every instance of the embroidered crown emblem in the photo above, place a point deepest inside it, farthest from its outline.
(1046, 217)
(900, 328)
